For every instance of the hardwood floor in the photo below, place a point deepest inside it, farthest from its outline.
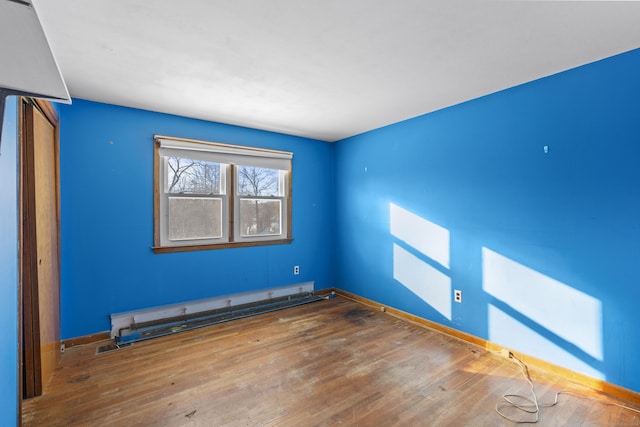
(334, 362)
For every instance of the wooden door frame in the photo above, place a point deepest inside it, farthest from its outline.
(28, 323)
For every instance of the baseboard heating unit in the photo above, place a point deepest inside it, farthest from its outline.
(155, 322)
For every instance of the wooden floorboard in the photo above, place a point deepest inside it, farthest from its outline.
(334, 362)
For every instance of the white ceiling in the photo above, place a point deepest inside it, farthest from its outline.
(324, 69)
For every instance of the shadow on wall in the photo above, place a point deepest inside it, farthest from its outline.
(528, 311)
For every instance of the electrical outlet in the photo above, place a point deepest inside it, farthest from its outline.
(62, 348)
(457, 295)
(506, 353)
(296, 269)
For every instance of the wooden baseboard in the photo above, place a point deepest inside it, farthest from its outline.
(86, 339)
(568, 374)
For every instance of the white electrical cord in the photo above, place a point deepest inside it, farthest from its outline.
(531, 405)
(329, 296)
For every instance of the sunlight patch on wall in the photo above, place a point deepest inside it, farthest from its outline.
(431, 285)
(562, 310)
(507, 331)
(418, 275)
(430, 239)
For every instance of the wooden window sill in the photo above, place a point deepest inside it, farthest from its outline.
(188, 248)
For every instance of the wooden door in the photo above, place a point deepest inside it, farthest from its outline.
(40, 246)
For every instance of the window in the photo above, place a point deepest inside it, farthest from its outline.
(210, 195)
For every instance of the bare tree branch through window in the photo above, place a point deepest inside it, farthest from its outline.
(193, 176)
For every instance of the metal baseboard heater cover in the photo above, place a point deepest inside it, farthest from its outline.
(155, 322)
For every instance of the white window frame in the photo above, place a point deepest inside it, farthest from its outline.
(229, 157)
(282, 181)
(164, 204)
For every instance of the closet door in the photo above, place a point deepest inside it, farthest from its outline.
(40, 250)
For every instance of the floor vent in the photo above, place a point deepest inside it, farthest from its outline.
(157, 328)
(111, 347)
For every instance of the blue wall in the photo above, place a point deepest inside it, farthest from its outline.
(106, 162)
(9, 266)
(544, 246)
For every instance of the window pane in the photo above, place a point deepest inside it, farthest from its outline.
(192, 176)
(255, 181)
(194, 218)
(260, 217)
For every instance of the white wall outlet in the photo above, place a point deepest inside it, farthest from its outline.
(296, 269)
(457, 295)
